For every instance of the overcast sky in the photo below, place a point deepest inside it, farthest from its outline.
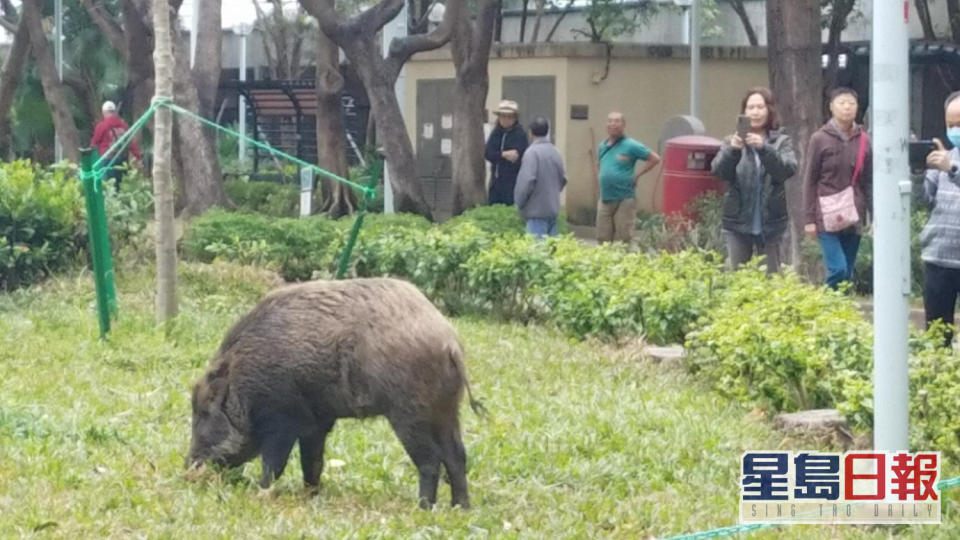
(234, 12)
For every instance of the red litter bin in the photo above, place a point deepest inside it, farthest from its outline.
(686, 172)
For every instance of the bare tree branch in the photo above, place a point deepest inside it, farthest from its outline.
(10, 79)
(52, 88)
(7, 25)
(923, 13)
(741, 12)
(402, 49)
(331, 23)
(379, 15)
(107, 24)
(9, 11)
(566, 9)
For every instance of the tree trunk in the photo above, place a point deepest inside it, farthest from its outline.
(392, 135)
(9, 81)
(741, 12)
(53, 89)
(838, 22)
(926, 22)
(196, 91)
(166, 239)
(953, 12)
(139, 38)
(357, 36)
(338, 199)
(470, 46)
(207, 66)
(793, 45)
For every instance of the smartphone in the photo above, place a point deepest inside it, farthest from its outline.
(743, 126)
(919, 150)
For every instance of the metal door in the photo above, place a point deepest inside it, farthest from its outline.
(535, 96)
(434, 143)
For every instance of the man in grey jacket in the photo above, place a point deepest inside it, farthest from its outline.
(940, 239)
(540, 181)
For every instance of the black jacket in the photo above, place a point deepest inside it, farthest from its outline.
(504, 172)
(738, 169)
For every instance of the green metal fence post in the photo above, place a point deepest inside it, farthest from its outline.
(99, 242)
(375, 169)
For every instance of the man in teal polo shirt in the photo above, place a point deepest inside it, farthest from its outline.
(617, 158)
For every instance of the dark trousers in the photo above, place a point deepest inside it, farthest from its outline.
(941, 286)
(839, 255)
(116, 173)
(501, 191)
(743, 247)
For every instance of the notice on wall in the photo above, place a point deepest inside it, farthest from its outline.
(446, 146)
(428, 131)
(446, 121)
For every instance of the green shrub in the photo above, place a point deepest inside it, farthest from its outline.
(496, 219)
(606, 292)
(506, 277)
(220, 228)
(500, 219)
(375, 224)
(41, 221)
(128, 212)
(781, 343)
(934, 400)
(294, 247)
(673, 233)
(269, 198)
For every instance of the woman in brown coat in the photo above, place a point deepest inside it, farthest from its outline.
(838, 157)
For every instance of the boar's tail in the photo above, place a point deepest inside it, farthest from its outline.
(456, 357)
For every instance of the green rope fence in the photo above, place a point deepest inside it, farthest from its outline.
(93, 168)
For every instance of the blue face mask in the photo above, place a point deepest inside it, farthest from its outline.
(954, 135)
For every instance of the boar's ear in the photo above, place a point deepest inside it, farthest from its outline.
(219, 371)
(219, 387)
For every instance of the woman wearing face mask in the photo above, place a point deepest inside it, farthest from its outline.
(755, 168)
(940, 238)
(837, 186)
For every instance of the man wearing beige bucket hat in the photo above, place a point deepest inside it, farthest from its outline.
(505, 148)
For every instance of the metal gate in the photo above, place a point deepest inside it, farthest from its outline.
(434, 142)
(535, 96)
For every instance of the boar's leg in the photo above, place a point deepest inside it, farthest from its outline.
(419, 439)
(276, 448)
(455, 461)
(311, 453)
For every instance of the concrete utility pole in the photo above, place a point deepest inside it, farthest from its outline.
(243, 30)
(889, 93)
(397, 28)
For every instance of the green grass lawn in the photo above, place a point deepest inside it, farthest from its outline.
(583, 441)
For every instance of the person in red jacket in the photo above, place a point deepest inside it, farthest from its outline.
(108, 130)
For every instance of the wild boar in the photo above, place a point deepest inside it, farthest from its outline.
(311, 353)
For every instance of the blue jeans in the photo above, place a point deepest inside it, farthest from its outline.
(542, 227)
(839, 255)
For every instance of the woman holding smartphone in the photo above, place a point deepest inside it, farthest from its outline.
(837, 186)
(755, 162)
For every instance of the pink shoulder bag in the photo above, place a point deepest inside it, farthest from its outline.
(839, 210)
